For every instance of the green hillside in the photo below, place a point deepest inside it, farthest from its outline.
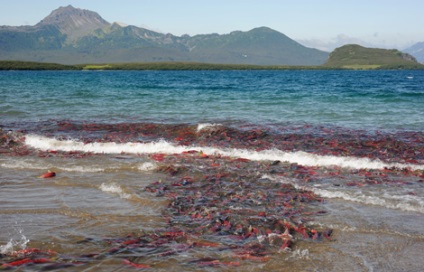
(357, 57)
(27, 65)
(71, 36)
(261, 46)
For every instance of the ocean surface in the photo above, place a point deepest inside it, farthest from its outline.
(212, 170)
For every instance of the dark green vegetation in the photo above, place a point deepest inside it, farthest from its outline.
(70, 36)
(26, 65)
(19, 65)
(187, 66)
(357, 57)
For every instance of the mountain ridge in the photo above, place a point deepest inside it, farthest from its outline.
(71, 35)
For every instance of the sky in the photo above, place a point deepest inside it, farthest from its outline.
(323, 24)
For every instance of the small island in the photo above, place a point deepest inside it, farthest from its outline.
(357, 57)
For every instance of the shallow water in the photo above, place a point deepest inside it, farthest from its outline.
(128, 145)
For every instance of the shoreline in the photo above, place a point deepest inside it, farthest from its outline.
(209, 210)
(184, 66)
(212, 170)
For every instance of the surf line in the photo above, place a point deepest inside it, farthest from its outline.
(390, 202)
(300, 157)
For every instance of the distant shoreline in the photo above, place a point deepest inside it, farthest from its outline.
(185, 66)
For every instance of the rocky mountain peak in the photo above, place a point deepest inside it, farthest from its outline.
(74, 22)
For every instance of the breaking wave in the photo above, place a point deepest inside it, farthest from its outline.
(405, 203)
(299, 157)
(397, 202)
(204, 126)
(114, 189)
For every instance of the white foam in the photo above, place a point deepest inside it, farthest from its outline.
(114, 188)
(301, 254)
(15, 164)
(405, 203)
(8, 248)
(82, 169)
(147, 166)
(387, 201)
(11, 246)
(299, 157)
(45, 143)
(206, 126)
(41, 165)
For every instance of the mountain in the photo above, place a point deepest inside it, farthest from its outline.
(262, 46)
(70, 35)
(74, 23)
(354, 56)
(416, 50)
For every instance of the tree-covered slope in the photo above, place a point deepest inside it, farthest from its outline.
(357, 57)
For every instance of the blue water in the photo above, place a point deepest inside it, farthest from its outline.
(353, 99)
(353, 138)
